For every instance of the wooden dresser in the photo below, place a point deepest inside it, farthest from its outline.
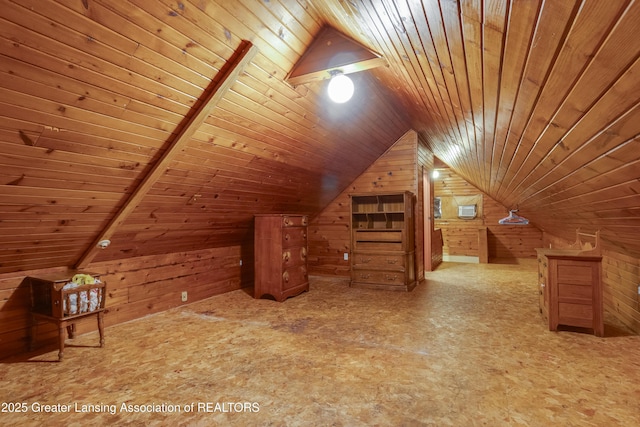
(570, 287)
(280, 256)
(382, 241)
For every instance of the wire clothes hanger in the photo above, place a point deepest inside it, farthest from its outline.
(513, 219)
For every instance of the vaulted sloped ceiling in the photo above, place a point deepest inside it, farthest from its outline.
(92, 92)
(534, 102)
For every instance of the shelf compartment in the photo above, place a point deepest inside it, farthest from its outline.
(392, 203)
(365, 204)
(382, 241)
(379, 235)
(378, 220)
(378, 203)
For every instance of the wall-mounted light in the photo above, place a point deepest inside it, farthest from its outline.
(194, 199)
(435, 174)
(340, 88)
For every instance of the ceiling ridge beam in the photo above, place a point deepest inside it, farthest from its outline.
(332, 50)
(225, 78)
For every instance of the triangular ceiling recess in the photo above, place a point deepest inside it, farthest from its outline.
(332, 50)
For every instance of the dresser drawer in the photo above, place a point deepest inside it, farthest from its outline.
(294, 256)
(378, 276)
(380, 261)
(294, 236)
(294, 276)
(295, 221)
(280, 256)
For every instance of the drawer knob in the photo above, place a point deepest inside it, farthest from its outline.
(286, 256)
(365, 260)
(392, 261)
(364, 276)
(285, 276)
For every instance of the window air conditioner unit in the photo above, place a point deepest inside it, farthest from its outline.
(467, 211)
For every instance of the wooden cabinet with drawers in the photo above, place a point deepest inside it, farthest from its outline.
(280, 256)
(570, 288)
(382, 241)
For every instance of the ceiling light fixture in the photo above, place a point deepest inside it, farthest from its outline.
(340, 88)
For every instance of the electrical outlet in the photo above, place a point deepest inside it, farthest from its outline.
(638, 289)
(184, 296)
(346, 256)
(240, 263)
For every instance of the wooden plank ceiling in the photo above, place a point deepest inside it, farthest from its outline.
(534, 102)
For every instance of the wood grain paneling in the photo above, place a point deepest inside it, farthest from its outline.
(620, 280)
(531, 102)
(460, 237)
(534, 103)
(329, 234)
(136, 287)
(91, 97)
(509, 241)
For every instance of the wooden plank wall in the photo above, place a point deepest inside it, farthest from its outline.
(509, 241)
(425, 166)
(460, 237)
(136, 287)
(93, 92)
(329, 234)
(620, 280)
(437, 246)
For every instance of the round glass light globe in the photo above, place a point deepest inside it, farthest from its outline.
(340, 88)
